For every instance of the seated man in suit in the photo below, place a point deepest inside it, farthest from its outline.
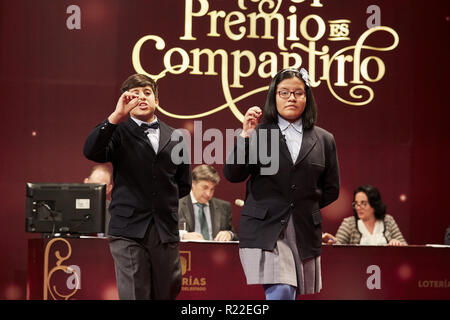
(101, 173)
(205, 217)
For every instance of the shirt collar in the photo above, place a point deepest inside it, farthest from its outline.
(283, 124)
(139, 122)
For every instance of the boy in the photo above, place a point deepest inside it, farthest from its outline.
(147, 186)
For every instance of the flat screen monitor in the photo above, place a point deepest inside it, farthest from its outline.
(65, 208)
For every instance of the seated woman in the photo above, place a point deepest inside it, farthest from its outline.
(370, 225)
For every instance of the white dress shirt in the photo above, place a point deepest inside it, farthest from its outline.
(293, 135)
(152, 134)
(372, 239)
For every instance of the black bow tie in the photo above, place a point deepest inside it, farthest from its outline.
(146, 126)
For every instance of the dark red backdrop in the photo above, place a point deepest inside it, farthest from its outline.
(56, 84)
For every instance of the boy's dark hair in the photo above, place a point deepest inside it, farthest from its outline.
(139, 80)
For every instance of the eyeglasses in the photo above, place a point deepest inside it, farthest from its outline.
(361, 204)
(285, 94)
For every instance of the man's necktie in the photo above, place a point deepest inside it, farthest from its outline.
(202, 219)
(154, 125)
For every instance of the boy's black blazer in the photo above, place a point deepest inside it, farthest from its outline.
(147, 185)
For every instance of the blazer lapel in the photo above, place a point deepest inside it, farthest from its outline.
(214, 223)
(282, 143)
(284, 148)
(188, 208)
(138, 132)
(308, 142)
(165, 133)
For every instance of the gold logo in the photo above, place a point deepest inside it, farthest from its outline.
(442, 283)
(55, 294)
(185, 258)
(191, 281)
(344, 70)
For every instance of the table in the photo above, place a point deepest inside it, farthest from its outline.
(82, 268)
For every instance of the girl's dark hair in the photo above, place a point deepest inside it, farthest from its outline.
(374, 197)
(309, 115)
(139, 80)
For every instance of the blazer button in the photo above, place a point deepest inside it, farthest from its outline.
(283, 222)
(293, 187)
(292, 205)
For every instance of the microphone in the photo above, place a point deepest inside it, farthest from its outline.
(239, 202)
